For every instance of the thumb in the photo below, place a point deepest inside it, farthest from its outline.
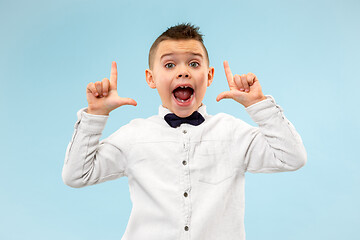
(127, 101)
(223, 95)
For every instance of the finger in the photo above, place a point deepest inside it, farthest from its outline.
(252, 80)
(245, 83)
(229, 75)
(238, 82)
(91, 89)
(223, 95)
(98, 86)
(106, 85)
(113, 76)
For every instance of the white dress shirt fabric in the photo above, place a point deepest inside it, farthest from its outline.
(185, 182)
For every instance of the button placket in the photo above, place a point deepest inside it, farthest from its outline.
(186, 176)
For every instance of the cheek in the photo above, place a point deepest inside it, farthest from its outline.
(201, 89)
(163, 88)
(202, 80)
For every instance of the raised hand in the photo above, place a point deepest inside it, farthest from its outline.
(103, 97)
(244, 89)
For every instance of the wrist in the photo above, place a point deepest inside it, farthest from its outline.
(96, 112)
(255, 101)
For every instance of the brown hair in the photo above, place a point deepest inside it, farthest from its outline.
(182, 31)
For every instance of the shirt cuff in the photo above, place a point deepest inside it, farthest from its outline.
(263, 110)
(90, 123)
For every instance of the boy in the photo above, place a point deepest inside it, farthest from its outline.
(185, 168)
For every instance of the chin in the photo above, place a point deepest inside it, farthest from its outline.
(185, 111)
(183, 114)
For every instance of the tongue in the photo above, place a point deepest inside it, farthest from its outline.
(183, 93)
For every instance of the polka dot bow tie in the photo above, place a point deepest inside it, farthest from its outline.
(174, 121)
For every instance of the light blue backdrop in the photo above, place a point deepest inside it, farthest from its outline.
(305, 54)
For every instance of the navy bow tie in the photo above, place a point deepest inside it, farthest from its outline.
(174, 121)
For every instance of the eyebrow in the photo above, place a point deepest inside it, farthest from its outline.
(170, 54)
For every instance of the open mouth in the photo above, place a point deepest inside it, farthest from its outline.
(183, 94)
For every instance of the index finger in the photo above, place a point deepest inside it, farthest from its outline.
(229, 75)
(113, 76)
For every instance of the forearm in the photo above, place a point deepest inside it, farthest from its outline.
(277, 145)
(87, 161)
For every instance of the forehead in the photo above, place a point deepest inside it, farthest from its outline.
(190, 46)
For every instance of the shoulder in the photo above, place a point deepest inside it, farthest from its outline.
(223, 127)
(139, 123)
(224, 118)
(138, 129)
(145, 123)
(228, 125)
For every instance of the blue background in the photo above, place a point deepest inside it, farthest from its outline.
(305, 54)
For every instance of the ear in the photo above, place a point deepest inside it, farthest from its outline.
(149, 78)
(210, 75)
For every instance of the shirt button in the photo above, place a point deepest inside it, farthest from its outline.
(185, 194)
(184, 131)
(186, 228)
(184, 162)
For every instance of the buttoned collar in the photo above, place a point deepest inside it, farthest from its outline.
(163, 111)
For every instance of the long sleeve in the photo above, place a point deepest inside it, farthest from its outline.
(88, 161)
(275, 145)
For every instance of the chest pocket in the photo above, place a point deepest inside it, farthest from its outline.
(214, 161)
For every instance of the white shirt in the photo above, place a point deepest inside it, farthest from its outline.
(185, 182)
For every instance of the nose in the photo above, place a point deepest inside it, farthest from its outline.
(183, 73)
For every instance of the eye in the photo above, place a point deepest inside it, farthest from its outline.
(194, 64)
(169, 65)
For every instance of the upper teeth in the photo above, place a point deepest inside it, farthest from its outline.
(183, 86)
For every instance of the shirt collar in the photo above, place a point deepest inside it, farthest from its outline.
(163, 111)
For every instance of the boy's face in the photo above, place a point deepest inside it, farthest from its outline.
(181, 75)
